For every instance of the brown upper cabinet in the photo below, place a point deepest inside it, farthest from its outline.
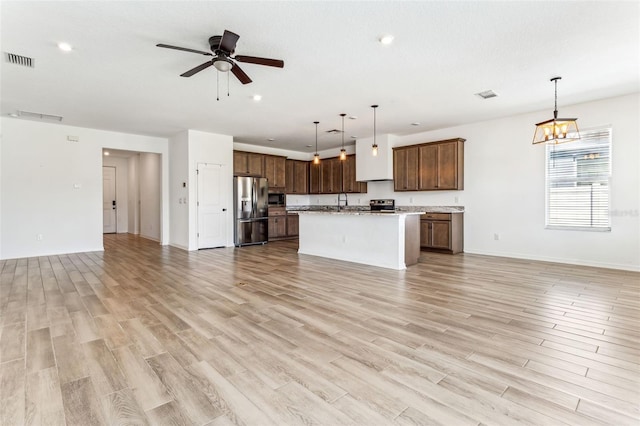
(349, 182)
(333, 176)
(297, 177)
(274, 171)
(405, 168)
(248, 164)
(429, 167)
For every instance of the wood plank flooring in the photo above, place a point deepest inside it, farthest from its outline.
(144, 334)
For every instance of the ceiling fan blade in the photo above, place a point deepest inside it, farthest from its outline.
(168, 46)
(237, 71)
(197, 69)
(260, 61)
(228, 42)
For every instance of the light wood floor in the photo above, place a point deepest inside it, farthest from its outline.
(143, 334)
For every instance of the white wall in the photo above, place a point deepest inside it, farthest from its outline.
(121, 165)
(150, 196)
(53, 187)
(178, 194)
(133, 187)
(210, 148)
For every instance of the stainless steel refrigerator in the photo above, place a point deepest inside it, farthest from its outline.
(250, 199)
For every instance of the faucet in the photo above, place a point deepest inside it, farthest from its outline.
(346, 201)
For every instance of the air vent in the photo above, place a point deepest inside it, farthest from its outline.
(25, 61)
(39, 116)
(334, 131)
(487, 94)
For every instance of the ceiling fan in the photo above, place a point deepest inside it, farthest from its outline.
(223, 47)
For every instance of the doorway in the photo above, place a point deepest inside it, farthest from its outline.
(109, 206)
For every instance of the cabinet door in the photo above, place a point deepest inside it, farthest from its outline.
(301, 176)
(405, 169)
(315, 176)
(349, 183)
(326, 177)
(240, 161)
(255, 164)
(425, 233)
(274, 171)
(428, 167)
(441, 235)
(292, 225)
(277, 227)
(448, 166)
(290, 186)
(336, 175)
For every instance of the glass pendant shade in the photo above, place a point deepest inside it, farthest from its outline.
(557, 130)
(374, 150)
(316, 156)
(343, 154)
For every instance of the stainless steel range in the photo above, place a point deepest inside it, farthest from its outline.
(383, 205)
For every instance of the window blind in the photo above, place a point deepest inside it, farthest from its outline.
(578, 182)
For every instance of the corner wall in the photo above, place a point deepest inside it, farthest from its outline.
(51, 187)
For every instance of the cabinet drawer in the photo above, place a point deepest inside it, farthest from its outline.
(436, 216)
(277, 211)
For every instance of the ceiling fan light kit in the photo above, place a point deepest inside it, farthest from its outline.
(556, 130)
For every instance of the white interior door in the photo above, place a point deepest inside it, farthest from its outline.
(211, 209)
(109, 208)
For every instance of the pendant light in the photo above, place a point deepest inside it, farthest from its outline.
(557, 130)
(374, 147)
(343, 152)
(316, 156)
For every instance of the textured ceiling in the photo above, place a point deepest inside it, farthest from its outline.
(443, 53)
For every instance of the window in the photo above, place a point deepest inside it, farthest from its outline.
(578, 182)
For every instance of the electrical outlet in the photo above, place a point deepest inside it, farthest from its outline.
(496, 237)
(39, 237)
(410, 200)
(456, 200)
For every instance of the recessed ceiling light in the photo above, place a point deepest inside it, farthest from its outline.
(415, 123)
(309, 146)
(13, 114)
(257, 97)
(354, 137)
(271, 139)
(65, 47)
(106, 153)
(386, 39)
(353, 117)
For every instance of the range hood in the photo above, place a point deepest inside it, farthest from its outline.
(380, 167)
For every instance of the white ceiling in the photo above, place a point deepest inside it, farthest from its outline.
(117, 79)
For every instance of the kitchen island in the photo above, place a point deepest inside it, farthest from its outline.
(387, 240)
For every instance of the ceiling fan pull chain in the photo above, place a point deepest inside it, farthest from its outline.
(217, 86)
(228, 84)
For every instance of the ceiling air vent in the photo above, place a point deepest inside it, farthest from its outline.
(487, 94)
(334, 131)
(39, 116)
(25, 61)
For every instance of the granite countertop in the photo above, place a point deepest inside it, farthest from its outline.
(366, 209)
(360, 212)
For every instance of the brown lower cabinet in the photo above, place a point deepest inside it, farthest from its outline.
(292, 224)
(277, 223)
(442, 232)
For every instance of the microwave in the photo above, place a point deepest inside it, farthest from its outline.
(276, 199)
